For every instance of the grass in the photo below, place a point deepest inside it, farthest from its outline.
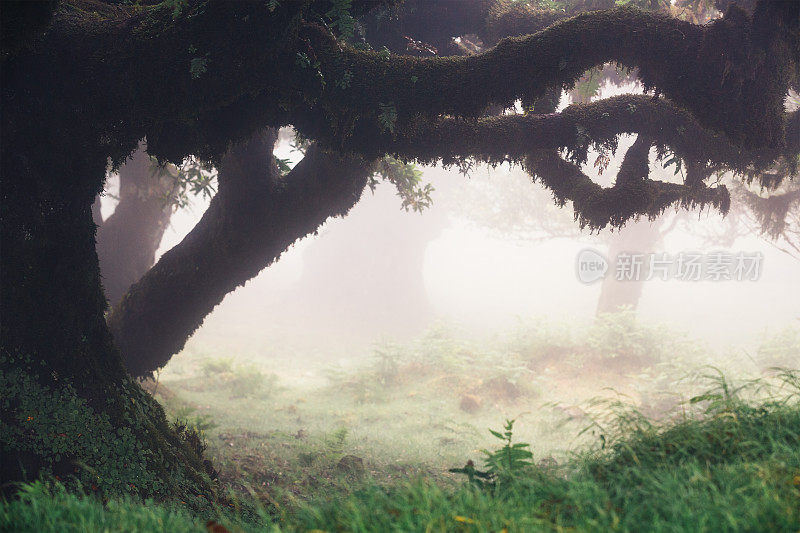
(407, 410)
(733, 465)
(292, 445)
(45, 508)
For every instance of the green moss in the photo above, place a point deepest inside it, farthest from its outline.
(82, 447)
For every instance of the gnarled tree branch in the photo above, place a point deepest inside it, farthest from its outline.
(632, 195)
(731, 74)
(251, 221)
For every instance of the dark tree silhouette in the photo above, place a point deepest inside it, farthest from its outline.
(86, 80)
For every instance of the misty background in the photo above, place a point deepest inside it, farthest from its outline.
(384, 272)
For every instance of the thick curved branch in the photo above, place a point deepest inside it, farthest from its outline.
(731, 74)
(633, 194)
(254, 218)
(437, 22)
(576, 128)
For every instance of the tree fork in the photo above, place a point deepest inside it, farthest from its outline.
(251, 221)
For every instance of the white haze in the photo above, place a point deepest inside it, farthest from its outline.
(480, 281)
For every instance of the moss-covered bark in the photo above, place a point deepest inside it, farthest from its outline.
(732, 75)
(729, 76)
(597, 207)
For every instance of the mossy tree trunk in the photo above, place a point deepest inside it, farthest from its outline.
(69, 408)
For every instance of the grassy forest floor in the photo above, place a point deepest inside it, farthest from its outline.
(628, 428)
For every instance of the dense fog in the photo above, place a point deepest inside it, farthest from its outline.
(406, 334)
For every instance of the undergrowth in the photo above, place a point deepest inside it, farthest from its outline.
(729, 462)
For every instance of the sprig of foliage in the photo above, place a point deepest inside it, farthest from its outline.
(283, 165)
(177, 7)
(511, 457)
(300, 143)
(589, 85)
(341, 18)
(672, 159)
(387, 117)
(191, 178)
(503, 465)
(407, 178)
(303, 60)
(347, 77)
(198, 66)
